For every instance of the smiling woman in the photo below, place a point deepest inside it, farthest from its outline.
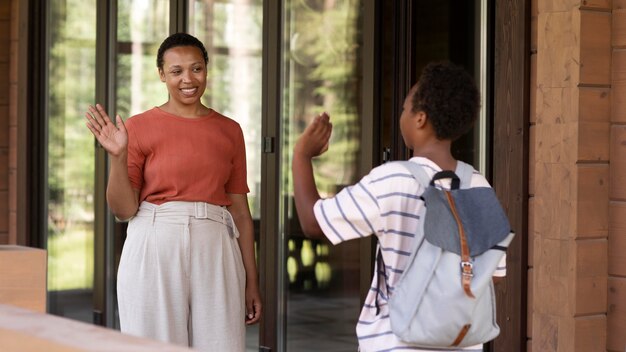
(178, 172)
(183, 70)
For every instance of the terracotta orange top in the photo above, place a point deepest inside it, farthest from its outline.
(172, 158)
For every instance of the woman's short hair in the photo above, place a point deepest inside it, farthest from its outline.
(180, 39)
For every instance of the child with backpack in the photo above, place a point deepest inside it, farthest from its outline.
(388, 203)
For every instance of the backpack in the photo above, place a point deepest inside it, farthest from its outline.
(445, 297)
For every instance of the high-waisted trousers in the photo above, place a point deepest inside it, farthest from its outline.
(181, 277)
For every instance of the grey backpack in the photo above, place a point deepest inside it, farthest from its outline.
(445, 297)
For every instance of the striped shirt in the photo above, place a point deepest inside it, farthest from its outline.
(385, 203)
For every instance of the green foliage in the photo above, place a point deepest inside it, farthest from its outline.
(71, 69)
(323, 70)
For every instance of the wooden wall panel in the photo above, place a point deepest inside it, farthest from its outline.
(595, 48)
(557, 48)
(596, 5)
(618, 87)
(592, 211)
(618, 162)
(529, 313)
(531, 232)
(590, 334)
(618, 34)
(617, 239)
(616, 315)
(594, 104)
(532, 165)
(591, 278)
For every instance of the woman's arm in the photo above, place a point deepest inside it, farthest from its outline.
(243, 220)
(123, 200)
(121, 197)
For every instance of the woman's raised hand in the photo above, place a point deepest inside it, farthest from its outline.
(114, 139)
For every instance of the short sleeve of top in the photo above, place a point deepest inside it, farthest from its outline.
(171, 158)
(385, 203)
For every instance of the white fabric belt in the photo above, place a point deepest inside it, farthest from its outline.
(196, 210)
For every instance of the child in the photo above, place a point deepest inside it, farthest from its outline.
(441, 107)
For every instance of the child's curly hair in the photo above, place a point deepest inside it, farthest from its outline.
(449, 97)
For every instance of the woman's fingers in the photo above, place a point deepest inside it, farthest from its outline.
(120, 123)
(92, 123)
(103, 114)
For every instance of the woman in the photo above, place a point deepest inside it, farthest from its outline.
(178, 171)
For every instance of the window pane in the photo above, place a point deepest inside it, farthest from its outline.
(232, 31)
(321, 73)
(142, 26)
(71, 87)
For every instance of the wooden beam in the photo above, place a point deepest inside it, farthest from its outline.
(510, 161)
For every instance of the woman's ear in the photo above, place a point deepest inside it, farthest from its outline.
(161, 75)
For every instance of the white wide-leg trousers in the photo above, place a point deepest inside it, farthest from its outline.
(181, 277)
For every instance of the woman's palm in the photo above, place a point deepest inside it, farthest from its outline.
(114, 139)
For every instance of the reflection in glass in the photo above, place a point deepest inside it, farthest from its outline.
(321, 73)
(232, 32)
(141, 27)
(71, 87)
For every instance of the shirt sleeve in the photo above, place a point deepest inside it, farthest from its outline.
(352, 213)
(136, 158)
(238, 180)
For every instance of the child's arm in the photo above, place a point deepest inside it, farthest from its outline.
(312, 143)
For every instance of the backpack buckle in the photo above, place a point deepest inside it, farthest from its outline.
(467, 269)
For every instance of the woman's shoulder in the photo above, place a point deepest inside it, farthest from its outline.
(142, 116)
(224, 119)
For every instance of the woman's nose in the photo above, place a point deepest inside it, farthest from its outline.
(186, 76)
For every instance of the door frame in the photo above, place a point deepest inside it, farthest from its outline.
(511, 75)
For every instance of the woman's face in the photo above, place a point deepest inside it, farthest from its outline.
(184, 73)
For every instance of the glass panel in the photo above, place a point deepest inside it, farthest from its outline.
(141, 27)
(71, 87)
(450, 30)
(321, 73)
(232, 31)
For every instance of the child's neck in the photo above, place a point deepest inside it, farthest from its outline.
(438, 154)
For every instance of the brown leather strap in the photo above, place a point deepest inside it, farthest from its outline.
(461, 336)
(467, 271)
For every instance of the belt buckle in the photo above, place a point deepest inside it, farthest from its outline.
(201, 210)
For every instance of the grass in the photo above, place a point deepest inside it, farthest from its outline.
(71, 259)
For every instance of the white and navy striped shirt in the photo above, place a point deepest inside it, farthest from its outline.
(385, 203)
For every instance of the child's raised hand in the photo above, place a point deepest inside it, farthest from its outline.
(314, 140)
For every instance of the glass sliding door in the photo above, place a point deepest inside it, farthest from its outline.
(70, 85)
(141, 27)
(457, 31)
(321, 72)
(232, 31)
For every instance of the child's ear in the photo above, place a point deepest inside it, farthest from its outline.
(420, 119)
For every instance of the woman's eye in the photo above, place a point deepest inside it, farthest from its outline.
(175, 72)
(197, 69)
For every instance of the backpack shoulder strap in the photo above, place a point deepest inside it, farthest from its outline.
(465, 172)
(418, 172)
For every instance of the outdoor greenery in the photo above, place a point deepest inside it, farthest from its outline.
(322, 66)
(71, 68)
